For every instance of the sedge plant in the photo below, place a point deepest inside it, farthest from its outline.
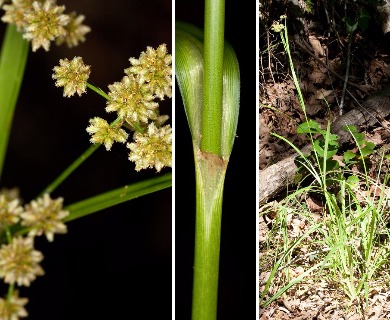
(207, 73)
(342, 245)
(138, 124)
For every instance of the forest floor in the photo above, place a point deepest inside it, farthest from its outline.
(320, 58)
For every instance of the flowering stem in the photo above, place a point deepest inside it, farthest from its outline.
(98, 91)
(8, 234)
(10, 292)
(14, 54)
(75, 164)
(66, 173)
(214, 24)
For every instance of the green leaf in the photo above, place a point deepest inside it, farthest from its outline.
(350, 128)
(359, 137)
(310, 126)
(353, 180)
(297, 177)
(332, 164)
(368, 149)
(350, 25)
(348, 156)
(189, 75)
(331, 137)
(14, 54)
(363, 20)
(117, 196)
(331, 148)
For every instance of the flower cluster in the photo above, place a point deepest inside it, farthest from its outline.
(133, 99)
(44, 215)
(72, 75)
(153, 68)
(103, 133)
(150, 149)
(13, 308)
(19, 261)
(43, 21)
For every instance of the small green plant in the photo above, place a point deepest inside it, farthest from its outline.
(325, 148)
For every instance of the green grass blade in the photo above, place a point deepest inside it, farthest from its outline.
(14, 54)
(117, 196)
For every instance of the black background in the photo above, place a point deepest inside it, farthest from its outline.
(238, 271)
(115, 264)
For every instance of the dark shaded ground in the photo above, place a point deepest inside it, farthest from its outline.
(115, 264)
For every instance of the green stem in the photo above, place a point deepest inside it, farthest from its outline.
(10, 292)
(210, 175)
(98, 91)
(75, 164)
(67, 172)
(214, 24)
(14, 54)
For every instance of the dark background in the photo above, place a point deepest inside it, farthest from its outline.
(115, 264)
(238, 265)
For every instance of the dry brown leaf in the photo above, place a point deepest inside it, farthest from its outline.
(339, 159)
(316, 45)
(314, 205)
(324, 94)
(317, 76)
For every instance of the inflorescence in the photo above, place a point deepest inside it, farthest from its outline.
(42, 22)
(133, 99)
(19, 261)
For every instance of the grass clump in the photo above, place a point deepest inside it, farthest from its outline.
(327, 244)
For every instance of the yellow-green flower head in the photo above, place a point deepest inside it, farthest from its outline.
(10, 211)
(11, 194)
(45, 22)
(72, 75)
(44, 215)
(277, 27)
(19, 262)
(131, 100)
(75, 31)
(15, 12)
(105, 134)
(154, 68)
(152, 149)
(13, 307)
